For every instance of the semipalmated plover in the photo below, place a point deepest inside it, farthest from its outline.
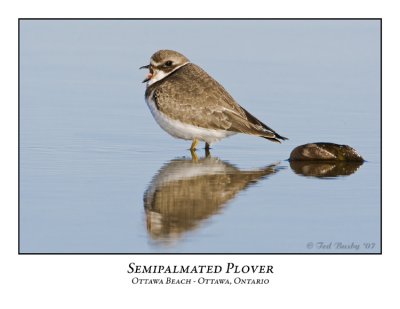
(189, 104)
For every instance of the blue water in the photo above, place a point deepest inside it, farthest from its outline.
(97, 174)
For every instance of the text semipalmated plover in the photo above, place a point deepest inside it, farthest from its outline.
(189, 104)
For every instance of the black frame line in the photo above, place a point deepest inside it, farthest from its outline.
(217, 18)
(199, 253)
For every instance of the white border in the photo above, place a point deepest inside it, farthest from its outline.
(102, 282)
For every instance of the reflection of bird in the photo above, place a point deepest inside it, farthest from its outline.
(185, 191)
(189, 104)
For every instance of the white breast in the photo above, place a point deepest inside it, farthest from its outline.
(185, 131)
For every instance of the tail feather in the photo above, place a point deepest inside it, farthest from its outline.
(275, 138)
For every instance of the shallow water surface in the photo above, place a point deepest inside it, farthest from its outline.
(97, 174)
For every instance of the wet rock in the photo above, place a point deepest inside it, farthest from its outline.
(325, 152)
(324, 169)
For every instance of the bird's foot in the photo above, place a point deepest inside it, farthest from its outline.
(194, 144)
(207, 151)
(195, 158)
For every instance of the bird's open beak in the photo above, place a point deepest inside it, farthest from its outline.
(148, 75)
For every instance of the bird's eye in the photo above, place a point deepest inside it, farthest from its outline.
(168, 63)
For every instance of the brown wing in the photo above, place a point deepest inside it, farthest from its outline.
(192, 96)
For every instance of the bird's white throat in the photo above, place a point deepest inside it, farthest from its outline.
(160, 74)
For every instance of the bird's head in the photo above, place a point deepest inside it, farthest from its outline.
(163, 63)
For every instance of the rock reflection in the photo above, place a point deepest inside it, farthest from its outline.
(186, 191)
(324, 169)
